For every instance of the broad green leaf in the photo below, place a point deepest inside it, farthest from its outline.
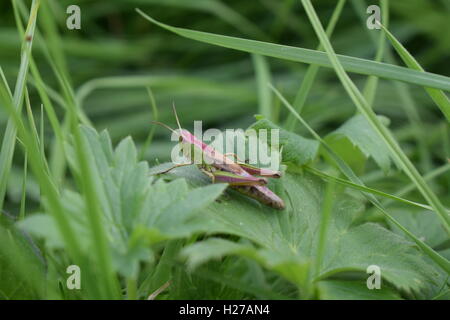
(296, 149)
(424, 224)
(350, 64)
(137, 210)
(291, 267)
(286, 241)
(347, 151)
(43, 226)
(353, 290)
(397, 258)
(348, 172)
(359, 132)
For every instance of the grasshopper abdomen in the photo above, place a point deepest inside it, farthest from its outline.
(263, 195)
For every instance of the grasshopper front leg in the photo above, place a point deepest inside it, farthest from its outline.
(176, 166)
(209, 174)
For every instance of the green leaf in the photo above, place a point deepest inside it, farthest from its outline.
(400, 266)
(136, 210)
(296, 149)
(353, 290)
(351, 64)
(348, 172)
(286, 241)
(347, 151)
(359, 132)
(43, 226)
(422, 223)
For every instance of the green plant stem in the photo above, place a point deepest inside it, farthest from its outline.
(131, 289)
(149, 139)
(24, 188)
(370, 88)
(263, 77)
(327, 207)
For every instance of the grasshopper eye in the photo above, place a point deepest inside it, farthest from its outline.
(180, 139)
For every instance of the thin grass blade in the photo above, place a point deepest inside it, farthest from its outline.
(351, 64)
(384, 134)
(348, 172)
(438, 96)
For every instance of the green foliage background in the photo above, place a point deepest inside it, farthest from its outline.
(365, 149)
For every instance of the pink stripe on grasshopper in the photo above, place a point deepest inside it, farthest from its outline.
(220, 160)
(241, 177)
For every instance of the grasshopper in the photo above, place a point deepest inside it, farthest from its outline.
(243, 177)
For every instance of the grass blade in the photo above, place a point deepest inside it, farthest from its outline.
(350, 184)
(262, 79)
(438, 96)
(384, 134)
(109, 287)
(57, 161)
(327, 208)
(312, 70)
(412, 186)
(9, 138)
(372, 82)
(24, 188)
(408, 103)
(39, 169)
(149, 139)
(348, 172)
(351, 64)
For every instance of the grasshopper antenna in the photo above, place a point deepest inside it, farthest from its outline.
(176, 116)
(163, 125)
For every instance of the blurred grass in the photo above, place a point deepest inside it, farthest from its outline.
(99, 75)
